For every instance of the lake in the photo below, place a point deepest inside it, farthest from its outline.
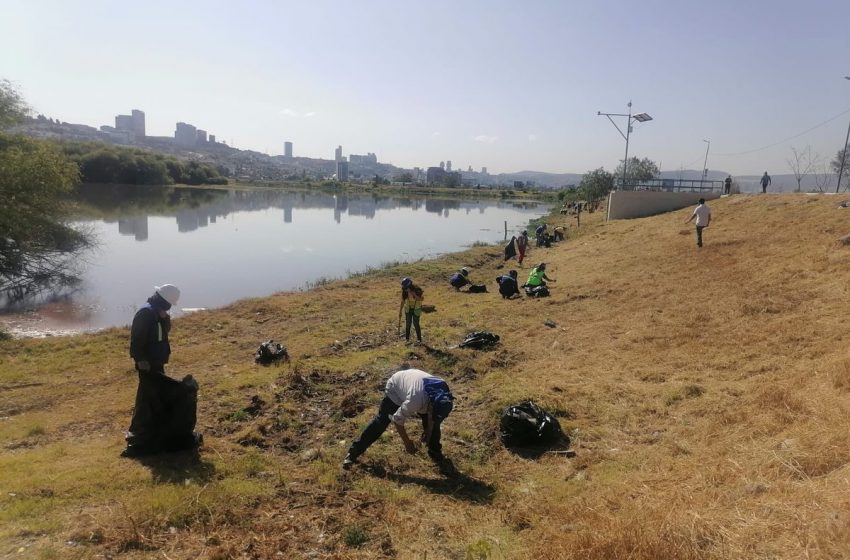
(219, 246)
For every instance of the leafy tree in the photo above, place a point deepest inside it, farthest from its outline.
(13, 108)
(638, 170)
(596, 184)
(406, 177)
(36, 244)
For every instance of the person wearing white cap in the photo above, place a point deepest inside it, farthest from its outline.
(152, 427)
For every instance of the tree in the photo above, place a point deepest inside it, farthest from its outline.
(801, 164)
(406, 177)
(36, 245)
(596, 184)
(638, 170)
(822, 174)
(13, 108)
(836, 167)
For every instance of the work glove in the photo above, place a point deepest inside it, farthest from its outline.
(143, 365)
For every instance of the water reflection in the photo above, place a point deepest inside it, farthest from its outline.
(198, 208)
(220, 246)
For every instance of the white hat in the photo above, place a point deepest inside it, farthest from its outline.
(168, 292)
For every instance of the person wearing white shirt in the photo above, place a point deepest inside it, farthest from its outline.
(703, 216)
(409, 393)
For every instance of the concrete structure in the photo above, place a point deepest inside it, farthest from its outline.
(484, 171)
(338, 154)
(124, 123)
(201, 137)
(138, 121)
(342, 171)
(287, 149)
(449, 166)
(212, 138)
(638, 204)
(369, 159)
(185, 135)
(435, 175)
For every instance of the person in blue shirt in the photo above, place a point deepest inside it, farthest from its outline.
(508, 286)
(460, 279)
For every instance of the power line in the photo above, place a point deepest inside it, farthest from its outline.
(827, 121)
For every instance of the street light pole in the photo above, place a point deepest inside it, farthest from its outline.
(628, 132)
(843, 154)
(640, 117)
(705, 163)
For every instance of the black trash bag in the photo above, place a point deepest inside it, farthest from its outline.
(536, 291)
(527, 425)
(477, 289)
(164, 417)
(479, 340)
(270, 351)
(511, 249)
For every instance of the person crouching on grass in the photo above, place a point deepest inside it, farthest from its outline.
(409, 392)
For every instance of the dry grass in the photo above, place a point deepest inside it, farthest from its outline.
(707, 394)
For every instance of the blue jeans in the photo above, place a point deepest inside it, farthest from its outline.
(379, 425)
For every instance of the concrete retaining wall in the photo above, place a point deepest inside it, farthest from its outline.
(638, 204)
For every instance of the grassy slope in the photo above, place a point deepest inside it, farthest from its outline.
(706, 392)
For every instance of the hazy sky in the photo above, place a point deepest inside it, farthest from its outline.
(507, 85)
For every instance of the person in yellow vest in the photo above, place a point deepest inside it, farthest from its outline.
(538, 277)
(411, 303)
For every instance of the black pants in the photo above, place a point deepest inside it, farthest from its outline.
(164, 414)
(699, 235)
(411, 317)
(379, 425)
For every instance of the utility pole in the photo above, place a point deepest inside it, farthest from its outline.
(640, 117)
(705, 163)
(843, 153)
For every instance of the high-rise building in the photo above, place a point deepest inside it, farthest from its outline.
(212, 138)
(470, 169)
(124, 122)
(342, 171)
(202, 137)
(185, 135)
(484, 171)
(443, 165)
(338, 154)
(287, 149)
(138, 119)
(448, 166)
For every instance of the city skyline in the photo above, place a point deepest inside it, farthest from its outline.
(493, 85)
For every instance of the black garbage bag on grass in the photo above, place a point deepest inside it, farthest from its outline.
(270, 351)
(527, 425)
(479, 340)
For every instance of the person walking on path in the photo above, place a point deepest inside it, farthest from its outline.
(765, 181)
(703, 216)
(409, 393)
(411, 303)
(727, 185)
(164, 411)
(521, 246)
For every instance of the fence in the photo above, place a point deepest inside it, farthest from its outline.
(669, 185)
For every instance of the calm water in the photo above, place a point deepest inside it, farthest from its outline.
(221, 246)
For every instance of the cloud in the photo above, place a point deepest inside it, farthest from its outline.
(289, 112)
(486, 139)
(532, 138)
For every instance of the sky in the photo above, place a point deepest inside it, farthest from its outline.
(505, 85)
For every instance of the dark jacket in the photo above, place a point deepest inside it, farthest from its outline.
(458, 280)
(149, 335)
(507, 286)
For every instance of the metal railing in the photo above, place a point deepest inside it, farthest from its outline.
(668, 185)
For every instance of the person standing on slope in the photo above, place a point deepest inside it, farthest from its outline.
(521, 246)
(411, 303)
(703, 216)
(765, 181)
